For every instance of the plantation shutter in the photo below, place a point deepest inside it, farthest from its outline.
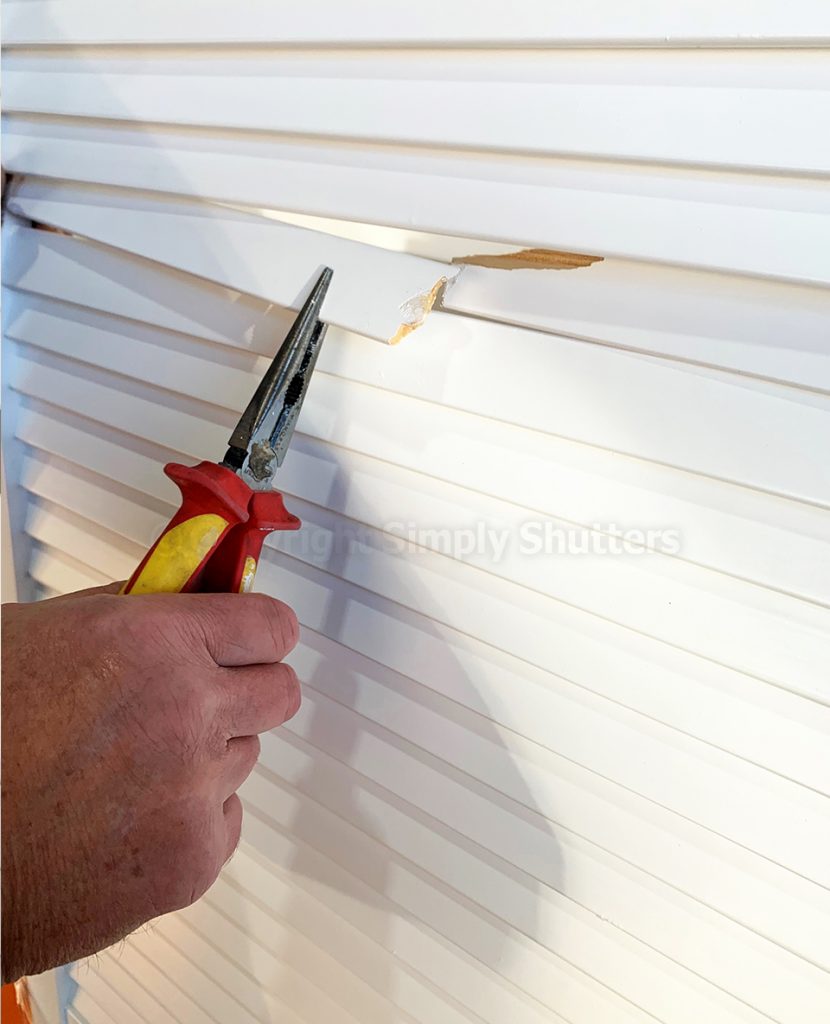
(580, 787)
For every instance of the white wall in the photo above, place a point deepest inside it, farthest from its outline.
(587, 787)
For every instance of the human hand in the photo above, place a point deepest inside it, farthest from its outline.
(128, 725)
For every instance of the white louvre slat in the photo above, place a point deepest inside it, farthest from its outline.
(736, 126)
(574, 392)
(256, 254)
(795, 756)
(100, 976)
(788, 623)
(110, 1000)
(650, 214)
(650, 843)
(226, 956)
(61, 573)
(157, 975)
(343, 945)
(737, 323)
(471, 22)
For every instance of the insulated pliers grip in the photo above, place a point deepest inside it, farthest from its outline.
(214, 500)
(231, 570)
(213, 543)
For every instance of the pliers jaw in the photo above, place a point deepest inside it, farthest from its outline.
(260, 440)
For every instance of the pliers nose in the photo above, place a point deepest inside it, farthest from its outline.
(261, 438)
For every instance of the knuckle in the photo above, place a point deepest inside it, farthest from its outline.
(159, 629)
(254, 747)
(247, 750)
(281, 621)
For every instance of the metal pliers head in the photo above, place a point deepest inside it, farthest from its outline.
(259, 442)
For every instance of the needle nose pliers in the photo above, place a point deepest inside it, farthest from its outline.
(213, 543)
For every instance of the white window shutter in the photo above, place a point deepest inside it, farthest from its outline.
(582, 788)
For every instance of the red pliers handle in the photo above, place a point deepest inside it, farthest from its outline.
(213, 543)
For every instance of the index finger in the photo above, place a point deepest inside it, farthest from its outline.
(247, 629)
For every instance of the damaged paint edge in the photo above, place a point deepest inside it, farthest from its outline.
(416, 309)
(530, 259)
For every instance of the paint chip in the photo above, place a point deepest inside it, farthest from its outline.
(531, 259)
(415, 310)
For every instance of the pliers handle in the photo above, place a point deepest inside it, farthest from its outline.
(213, 543)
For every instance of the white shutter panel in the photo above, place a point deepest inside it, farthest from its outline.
(587, 788)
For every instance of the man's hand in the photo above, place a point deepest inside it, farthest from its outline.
(128, 725)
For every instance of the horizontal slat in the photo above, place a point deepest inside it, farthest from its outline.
(232, 957)
(747, 534)
(719, 125)
(570, 872)
(649, 846)
(729, 607)
(469, 22)
(84, 273)
(738, 324)
(110, 998)
(86, 1011)
(386, 898)
(789, 554)
(61, 573)
(770, 329)
(259, 255)
(557, 924)
(76, 270)
(329, 790)
(578, 632)
(195, 983)
(107, 970)
(693, 707)
(370, 970)
(158, 978)
(574, 389)
(748, 225)
(630, 970)
(574, 719)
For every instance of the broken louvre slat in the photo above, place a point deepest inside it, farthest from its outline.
(378, 294)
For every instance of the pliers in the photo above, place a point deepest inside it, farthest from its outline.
(213, 543)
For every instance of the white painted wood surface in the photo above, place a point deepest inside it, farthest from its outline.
(465, 22)
(736, 127)
(582, 788)
(254, 254)
(752, 224)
